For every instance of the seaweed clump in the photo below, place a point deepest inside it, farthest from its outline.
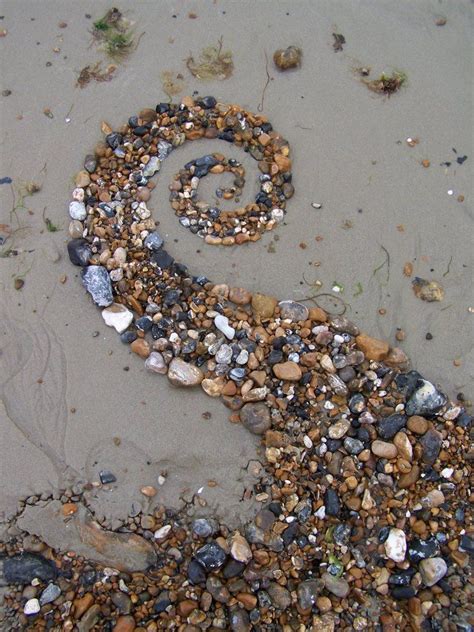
(114, 32)
(386, 84)
(214, 63)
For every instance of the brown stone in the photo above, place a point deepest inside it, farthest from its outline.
(263, 305)
(373, 348)
(141, 347)
(258, 377)
(418, 425)
(276, 439)
(82, 604)
(317, 314)
(404, 446)
(213, 388)
(186, 606)
(289, 371)
(309, 359)
(397, 359)
(124, 624)
(384, 450)
(229, 389)
(240, 296)
(409, 479)
(247, 600)
(83, 179)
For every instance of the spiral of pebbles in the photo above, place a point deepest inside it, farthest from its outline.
(365, 494)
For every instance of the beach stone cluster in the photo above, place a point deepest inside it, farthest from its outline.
(364, 519)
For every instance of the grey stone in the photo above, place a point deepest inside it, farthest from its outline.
(291, 310)
(154, 241)
(96, 280)
(49, 594)
(336, 585)
(308, 591)
(425, 399)
(255, 417)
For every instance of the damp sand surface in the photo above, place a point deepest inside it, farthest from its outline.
(74, 400)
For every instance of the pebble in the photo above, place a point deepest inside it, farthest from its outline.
(425, 400)
(388, 427)
(211, 556)
(240, 549)
(419, 549)
(336, 585)
(263, 306)
(107, 477)
(203, 527)
(431, 443)
(181, 373)
(96, 280)
(77, 210)
(332, 502)
(291, 310)
(384, 450)
(372, 348)
(153, 241)
(124, 624)
(32, 606)
(418, 425)
(255, 417)
(289, 371)
(49, 594)
(222, 324)
(339, 429)
(287, 58)
(396, 545)
(156, 363)
(24, 568)
(79, 252)
(308, 592)
(141, 347)
(118, 317)
(279, 595)
(432, 570)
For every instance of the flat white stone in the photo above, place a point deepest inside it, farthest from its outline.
(118, 317)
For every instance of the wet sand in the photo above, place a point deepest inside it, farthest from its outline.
(349, 153)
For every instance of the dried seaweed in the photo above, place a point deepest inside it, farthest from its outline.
(213, 63)
(96, 73)
(171, 84)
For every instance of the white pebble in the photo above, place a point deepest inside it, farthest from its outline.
(396, 545)
(163, 532)
(118, 317)
(32, 606)
(77, 210)
(222, 324)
